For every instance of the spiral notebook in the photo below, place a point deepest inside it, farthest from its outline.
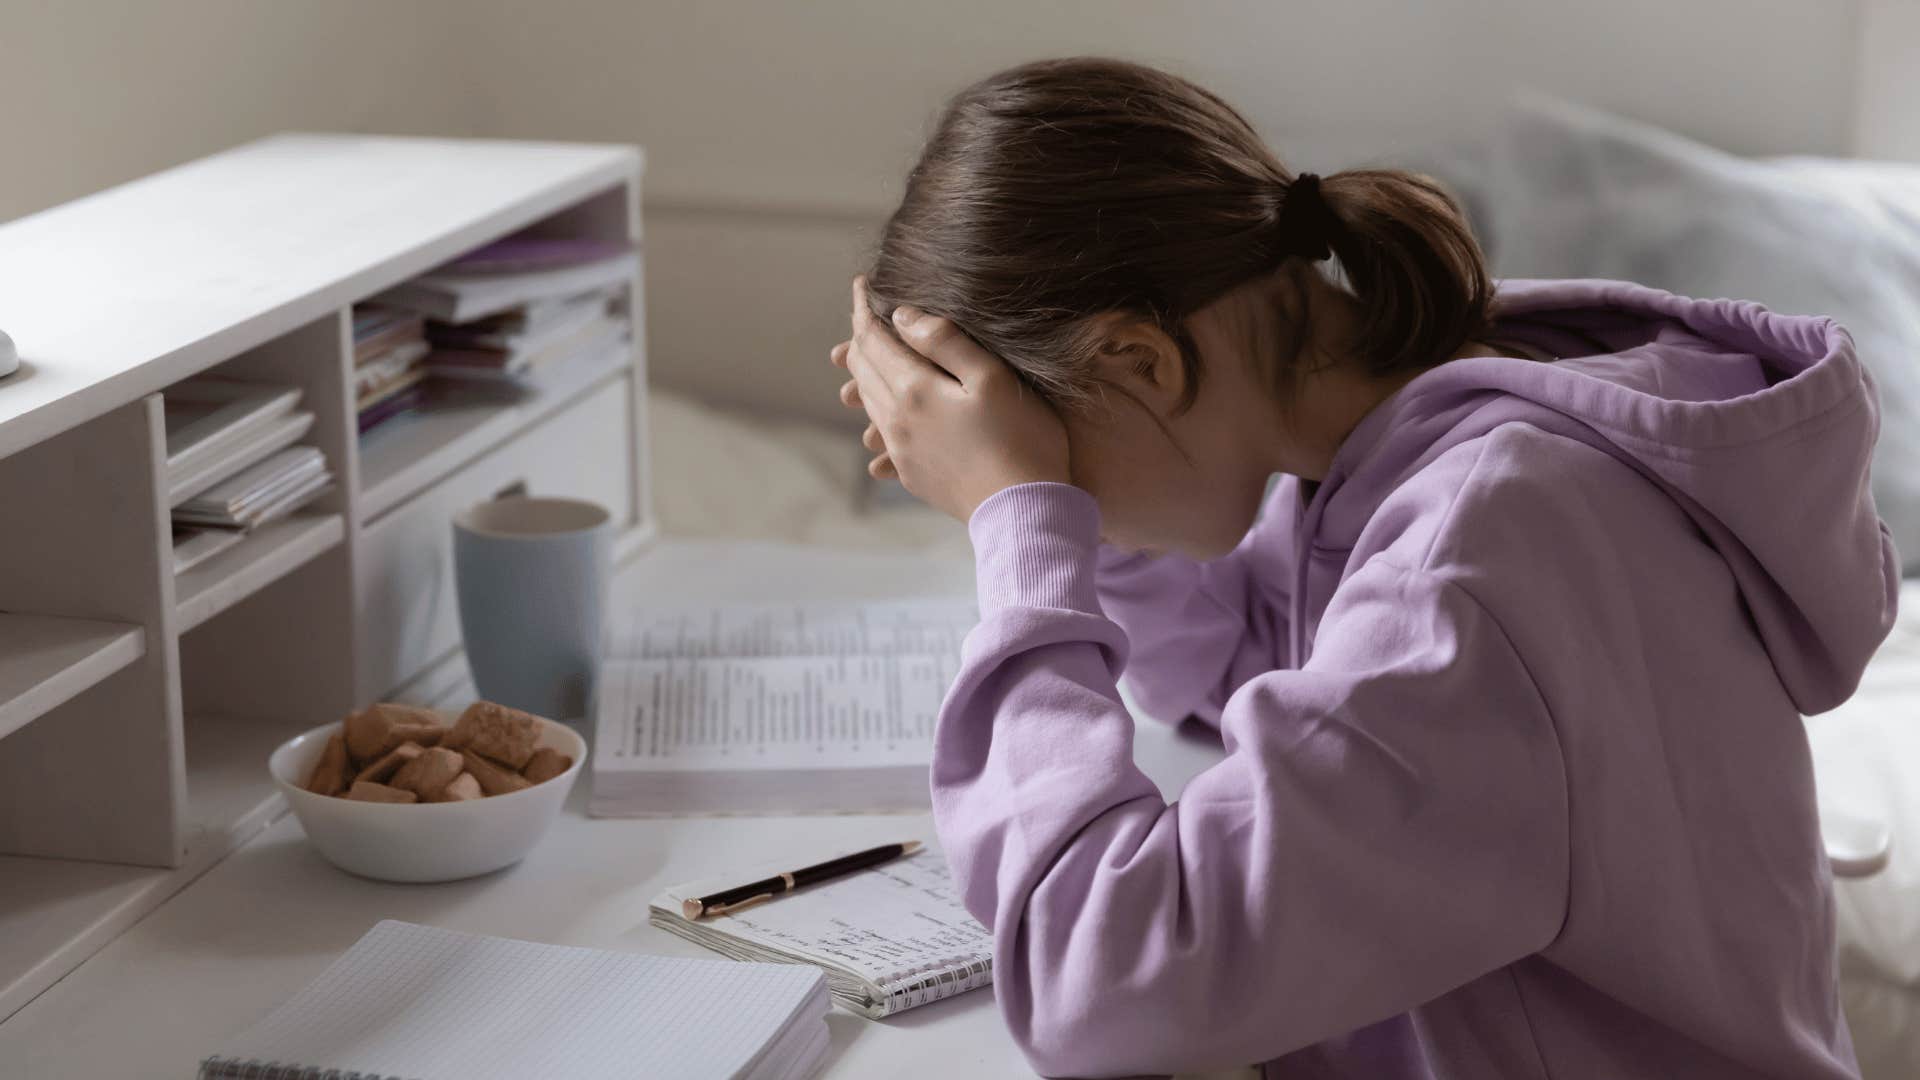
(888, 939)
(420, 1003)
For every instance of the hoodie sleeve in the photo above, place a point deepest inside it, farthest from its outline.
(1197, 629)
(1389, 823)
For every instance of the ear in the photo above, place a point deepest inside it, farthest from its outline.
(1142, 359)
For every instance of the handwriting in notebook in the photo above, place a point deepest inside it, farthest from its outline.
(884, 923)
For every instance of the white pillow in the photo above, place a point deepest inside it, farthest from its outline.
(1560, 190)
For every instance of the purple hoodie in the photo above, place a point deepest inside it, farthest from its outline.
(1515, 780)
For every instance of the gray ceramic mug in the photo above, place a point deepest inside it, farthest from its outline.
(532, 575)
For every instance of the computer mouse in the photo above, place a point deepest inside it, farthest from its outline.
(9, 356)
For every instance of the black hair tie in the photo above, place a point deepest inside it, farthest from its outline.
(1305, 226)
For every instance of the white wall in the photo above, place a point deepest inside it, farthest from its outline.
(96, 92)
(1887, 124)
(777, 132)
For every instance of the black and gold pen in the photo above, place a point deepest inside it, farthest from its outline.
(786, 881)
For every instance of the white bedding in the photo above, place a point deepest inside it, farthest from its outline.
(722, 474)
(717, 473)
(1867, 761)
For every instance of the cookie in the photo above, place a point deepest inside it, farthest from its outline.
(389, 763)
(498, 732)
(493, 779)
(365, 791)
(464, 787)
(545, 764)
(377, 729)
(428, 774)
(329, 776)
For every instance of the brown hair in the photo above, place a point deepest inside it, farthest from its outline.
(1065, 189)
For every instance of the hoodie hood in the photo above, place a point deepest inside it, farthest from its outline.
(1759, 425)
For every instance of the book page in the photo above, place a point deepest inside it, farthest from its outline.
(885, 924)
(931, 625)
(778, 713)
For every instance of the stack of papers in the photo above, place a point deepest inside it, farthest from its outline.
(232, 462)
(522, 313)
(216, 427)
(479, 287)
(287, 480)
(528, 345)
(389, 345)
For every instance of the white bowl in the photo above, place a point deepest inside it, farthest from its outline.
(423, 841)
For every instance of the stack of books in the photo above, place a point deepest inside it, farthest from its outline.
(389, 347)
(523, 312)
(232, 465)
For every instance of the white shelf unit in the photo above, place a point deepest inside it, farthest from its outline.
(137, 707)
(46, 659)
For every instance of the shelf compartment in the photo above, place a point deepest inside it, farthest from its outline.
(230, 794)
(409, 453)
(54, 913)
(46, 660)
(268, 554)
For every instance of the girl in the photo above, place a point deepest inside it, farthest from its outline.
(1509, 664)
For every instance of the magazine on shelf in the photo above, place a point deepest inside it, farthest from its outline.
(209, 415)
(378, 330)
(268, 491)
(590, 338)
(521, 254)
(187, 482)
(523, 330)
(395, 364)
(461, 296)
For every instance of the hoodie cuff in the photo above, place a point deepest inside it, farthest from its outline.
(1033, 546)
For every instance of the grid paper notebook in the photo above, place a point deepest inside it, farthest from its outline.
(889, 938)
(418, 1003)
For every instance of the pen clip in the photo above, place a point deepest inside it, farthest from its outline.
(728, 909)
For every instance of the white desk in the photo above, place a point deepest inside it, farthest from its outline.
(269, 917)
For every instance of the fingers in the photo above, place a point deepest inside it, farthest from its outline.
(870, 389)
(875, 342)
(881, 468)
(838, 354)
(850, 394)
(940, 341)
(871, 439)
(860, 308)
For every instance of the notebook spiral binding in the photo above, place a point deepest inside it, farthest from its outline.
(921, 987)
(227, 1068)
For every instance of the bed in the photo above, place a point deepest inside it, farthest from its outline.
(1867, 762)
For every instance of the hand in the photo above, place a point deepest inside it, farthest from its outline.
(949, 418)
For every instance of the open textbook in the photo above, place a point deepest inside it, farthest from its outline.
(773, 709)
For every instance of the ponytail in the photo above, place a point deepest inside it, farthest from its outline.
(1411, 262)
